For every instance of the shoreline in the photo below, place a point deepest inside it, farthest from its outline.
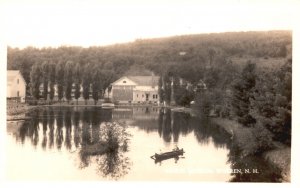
(16, 112)
(279, 157)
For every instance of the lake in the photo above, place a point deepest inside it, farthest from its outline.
(50, 145)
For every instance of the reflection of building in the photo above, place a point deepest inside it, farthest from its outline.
(145, 118)
(142, 113)
(16, 85)
(136, 89)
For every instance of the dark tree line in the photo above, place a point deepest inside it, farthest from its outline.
(156, 54)
(70, 80)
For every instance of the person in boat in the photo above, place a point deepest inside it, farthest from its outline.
(176, 149)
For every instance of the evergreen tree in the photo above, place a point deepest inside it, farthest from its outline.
(242, 93)
(68, 80)
(59, 75)
(35, 81)
(271, 105)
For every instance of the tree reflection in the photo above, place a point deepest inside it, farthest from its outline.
(160, 121)
(260, 170)
(166, 126)
(86, 137)
(182, 125)
(68, 126)
(45, 124)
(51, 127)
(81, 128)
(76, 121)
(109, 151)
(96, 118)
(205, 130)
(113, 165)
(59, 137)
(35, 130)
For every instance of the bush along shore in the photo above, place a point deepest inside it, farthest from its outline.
(251, 143)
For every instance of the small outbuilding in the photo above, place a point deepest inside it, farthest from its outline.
(16, 86)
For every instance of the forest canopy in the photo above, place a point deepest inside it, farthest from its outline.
(187, 55)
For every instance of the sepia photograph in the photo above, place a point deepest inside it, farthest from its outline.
(148, 91)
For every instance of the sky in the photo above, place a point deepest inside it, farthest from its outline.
(53, 23)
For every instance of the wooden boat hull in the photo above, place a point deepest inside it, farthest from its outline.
(167, 155)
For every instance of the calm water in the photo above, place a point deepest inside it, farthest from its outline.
(48, 147)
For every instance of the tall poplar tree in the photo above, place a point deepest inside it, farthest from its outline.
(51, 81)
(86, 82)
(59, 75)
(77, 81)
(96, 83)
(45, 78)
(68, 80)
(35, 81)
(161, 89)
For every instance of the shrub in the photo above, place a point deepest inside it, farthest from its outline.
(254, 140)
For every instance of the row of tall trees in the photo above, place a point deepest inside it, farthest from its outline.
(71, 80)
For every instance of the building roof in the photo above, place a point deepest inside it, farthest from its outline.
(11, 75)
(141, 80)
(145, 80)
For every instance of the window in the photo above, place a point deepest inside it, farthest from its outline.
(142, 96)
(153, 96)
(18, 93)
(137, 95)
(124, 81)
(17, 81)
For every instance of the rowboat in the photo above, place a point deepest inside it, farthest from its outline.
(167, 155)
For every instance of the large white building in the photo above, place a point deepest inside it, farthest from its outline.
(16, 85)
(135, 89)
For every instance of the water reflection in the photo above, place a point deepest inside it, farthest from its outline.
(113, 165)
(251, 168)
(59, 132)
(76, 129)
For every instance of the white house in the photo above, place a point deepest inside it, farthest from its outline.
(135, 89)
(16, 85)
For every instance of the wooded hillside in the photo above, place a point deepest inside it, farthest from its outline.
(186, 55)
